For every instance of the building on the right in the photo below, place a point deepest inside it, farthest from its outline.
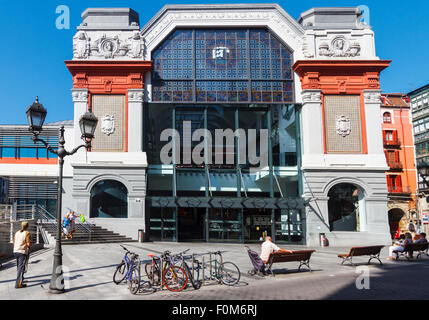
(420, 111)
(398, 146)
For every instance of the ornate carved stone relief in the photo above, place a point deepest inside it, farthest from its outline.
(343, 125)
(339, 47)
(108, 47)
(108, 125)
(372, 96)
(312, 96)
(80, 95)
(135, 96)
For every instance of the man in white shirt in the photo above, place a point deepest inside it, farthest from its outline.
(268, 247)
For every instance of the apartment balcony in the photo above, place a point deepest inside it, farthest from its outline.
(392, 143)
(399, 190)
(395, 165)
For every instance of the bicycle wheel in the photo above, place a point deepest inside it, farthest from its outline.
(153, 273)
(175, 279)
(194, 281)
(134, 283)
(120, 273)
(229, 273)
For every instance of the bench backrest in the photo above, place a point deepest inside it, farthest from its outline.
(365, 251)
(294, 256)
(416, 247)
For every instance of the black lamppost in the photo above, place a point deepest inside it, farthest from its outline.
(423, 169)
(36, 115)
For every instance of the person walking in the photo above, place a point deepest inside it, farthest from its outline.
(21, 251)
(72, 216)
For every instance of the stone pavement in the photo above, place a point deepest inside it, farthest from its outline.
(89, 270)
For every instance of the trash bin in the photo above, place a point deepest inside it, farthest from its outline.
(323, 240)
(141, 236)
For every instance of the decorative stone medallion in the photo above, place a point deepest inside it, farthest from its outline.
(340, 47)
(343, 126)
(108, 125)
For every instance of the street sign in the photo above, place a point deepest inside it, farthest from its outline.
(425, 218)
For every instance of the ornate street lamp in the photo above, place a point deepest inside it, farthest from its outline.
(423, 169)
(36, 115)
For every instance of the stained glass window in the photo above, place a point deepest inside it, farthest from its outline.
(236, 65)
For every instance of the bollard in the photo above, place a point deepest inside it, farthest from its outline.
(141, 236)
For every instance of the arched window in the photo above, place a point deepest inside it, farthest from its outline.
(387, 118)
(222, 65)
(109, 199)
(344, 205)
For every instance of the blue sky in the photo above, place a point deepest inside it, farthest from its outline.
(33, 50)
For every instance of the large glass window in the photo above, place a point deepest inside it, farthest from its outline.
(227, 65)
(109, 199)
(345, 205)
(22, 147)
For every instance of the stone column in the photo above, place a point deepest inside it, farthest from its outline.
(311, 125)
(373, 122)
(135, 120)
(80, 99)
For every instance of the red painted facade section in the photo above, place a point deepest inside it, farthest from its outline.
(112, 77)
(342, 77)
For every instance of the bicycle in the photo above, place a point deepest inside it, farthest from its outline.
(174, 278)
(130, 269)
(224, 272)
(196, 283)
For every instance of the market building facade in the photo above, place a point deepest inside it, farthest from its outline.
(300, 97)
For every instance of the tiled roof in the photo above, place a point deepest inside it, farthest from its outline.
(394, 99)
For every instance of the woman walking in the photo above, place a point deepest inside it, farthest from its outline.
(21, 250)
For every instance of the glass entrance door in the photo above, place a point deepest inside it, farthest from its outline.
(288, 226)
(225, 225)
(163, 224)
(257, 224)
(191, 224)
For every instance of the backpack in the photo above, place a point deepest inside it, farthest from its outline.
(66, 222)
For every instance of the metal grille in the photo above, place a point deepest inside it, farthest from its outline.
(32, 188)
(349, 108)
(21, 137)
(109, 106)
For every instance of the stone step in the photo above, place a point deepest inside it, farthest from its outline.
(81, 236)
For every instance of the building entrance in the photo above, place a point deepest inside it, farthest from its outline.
(191, 223)
(257, 224)
(206, 219)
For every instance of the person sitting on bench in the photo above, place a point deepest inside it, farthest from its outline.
(268, 247)
(400, 246)
(421, 239)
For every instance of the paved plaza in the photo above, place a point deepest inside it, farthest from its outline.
(89, 270)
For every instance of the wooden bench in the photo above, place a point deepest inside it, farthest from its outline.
(372, 251)
(303, 257)
(421, 248)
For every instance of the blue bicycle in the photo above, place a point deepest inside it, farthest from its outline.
(129, 270)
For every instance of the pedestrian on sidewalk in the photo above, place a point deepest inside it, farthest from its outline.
(21, 250)
(72, 217)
